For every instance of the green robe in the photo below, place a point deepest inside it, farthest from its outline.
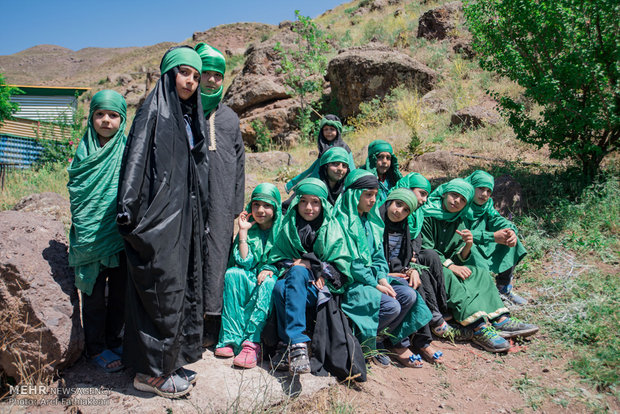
(470, 299)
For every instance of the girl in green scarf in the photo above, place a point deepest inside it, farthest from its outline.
(311, 255)
(249, 280)
(95, 246)
(382, 162)
(376, 302)
(495, 238)
(472, 298)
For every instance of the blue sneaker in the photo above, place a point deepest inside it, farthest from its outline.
(509, 296)
(512, 327)
(490, 340)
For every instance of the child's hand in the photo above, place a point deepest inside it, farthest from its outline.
(384, 287)
(302, 262)
(506, 237)
(401, 275)
(244, 221)
(466, 235)
(319, 283)
(263, 275)
(414, 278)
(462, 272)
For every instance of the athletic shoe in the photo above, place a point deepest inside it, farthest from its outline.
(279, 361)
(452, 333)
(169, 386)
(249, 355)
(510, 297)
(512, 327)
(489, 339)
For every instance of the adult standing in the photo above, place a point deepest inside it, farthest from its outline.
(226, 184)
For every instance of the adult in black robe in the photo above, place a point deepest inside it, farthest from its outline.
(161, 203)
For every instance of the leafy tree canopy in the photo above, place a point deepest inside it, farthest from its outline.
(7, 108)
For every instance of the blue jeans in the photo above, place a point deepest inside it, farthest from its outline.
(392, 311)
(291, 296)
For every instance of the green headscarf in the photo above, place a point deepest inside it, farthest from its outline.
(375, 148)
(416, 219)
(94, 240)
(434, 207)
(478, 179)
(329, 246)
(406, 196)
(335, 154)
(267, 193)
(347, 215)
(181, 56)
(331, 122)
(213, 60)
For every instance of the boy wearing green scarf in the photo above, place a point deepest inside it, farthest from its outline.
(382, 162)
(249, 280)
(311, 255)
(495, 238)
(472, 298)
(226, 183)
(376, 302)
(95, 246)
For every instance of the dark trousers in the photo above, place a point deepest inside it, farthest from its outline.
(503, 280)
(392, 311)
(104, 319)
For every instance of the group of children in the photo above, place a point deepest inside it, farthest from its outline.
(394, 260)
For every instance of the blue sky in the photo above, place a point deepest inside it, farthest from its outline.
(114, 23)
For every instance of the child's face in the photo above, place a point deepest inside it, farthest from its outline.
(384, 161)
(262, 213)
(336, 171)
(397, 211)
(482, 195)
(106, 123)
(187, 81)
(454, 202)
(330, 133)
(211, 81)
(367, 201)
(421, 195)
(309, 207)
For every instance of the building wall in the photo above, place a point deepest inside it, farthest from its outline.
(58, 109)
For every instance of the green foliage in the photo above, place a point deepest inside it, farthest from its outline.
(304, 67)
(20, 183)
(565, 54)
(7, 108)
(263, 135)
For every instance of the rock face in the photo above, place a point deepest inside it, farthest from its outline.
(46, 204)
(441, 162)
(258, 92)
(269, 161)
(507, 196)
(40, 319)
(476, 116)
(234, 38)
(360, 74)
(439, 22)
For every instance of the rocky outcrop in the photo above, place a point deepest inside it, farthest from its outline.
(46, 204)
(507, 196)
(233, 39)
(40, 329)
(442, 162)
(360, 74)
(267, 161)
(476, 116)
(438, 23)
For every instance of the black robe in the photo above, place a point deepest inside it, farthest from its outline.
(226, 201)
(160, 216)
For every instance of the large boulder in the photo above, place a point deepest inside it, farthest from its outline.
(40, 323)
(47, 204)
(435, 163)
(476, 116)
(360, 74)
(439, 23)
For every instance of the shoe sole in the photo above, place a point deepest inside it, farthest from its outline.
(523, 333)
(141, 386)
(491, 349)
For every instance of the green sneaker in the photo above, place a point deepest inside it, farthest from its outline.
(489, 339)
(512, 327)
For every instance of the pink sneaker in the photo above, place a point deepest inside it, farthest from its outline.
(224, 352)
(249, 355)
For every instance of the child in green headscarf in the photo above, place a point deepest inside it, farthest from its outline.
(95, 246)
(376, 302)
(160, 214)
(382, 162)
(312, 256)
(472, 298)
(249, 281)
(330, 136)
(495, 238)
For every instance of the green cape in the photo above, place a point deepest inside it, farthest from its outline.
(416, 219)
(93, 183)
(213, 60)
(434, 206)
(330, 245)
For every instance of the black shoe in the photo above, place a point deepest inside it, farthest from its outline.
(279, 361)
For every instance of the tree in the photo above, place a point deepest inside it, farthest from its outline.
(7, 108)
(304, 66)
(565, 54)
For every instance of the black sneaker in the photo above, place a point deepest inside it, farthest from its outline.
(512, 327)
(298, 360)
(452, 333)
(279, 361)
(169, 386)
(489, 340)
